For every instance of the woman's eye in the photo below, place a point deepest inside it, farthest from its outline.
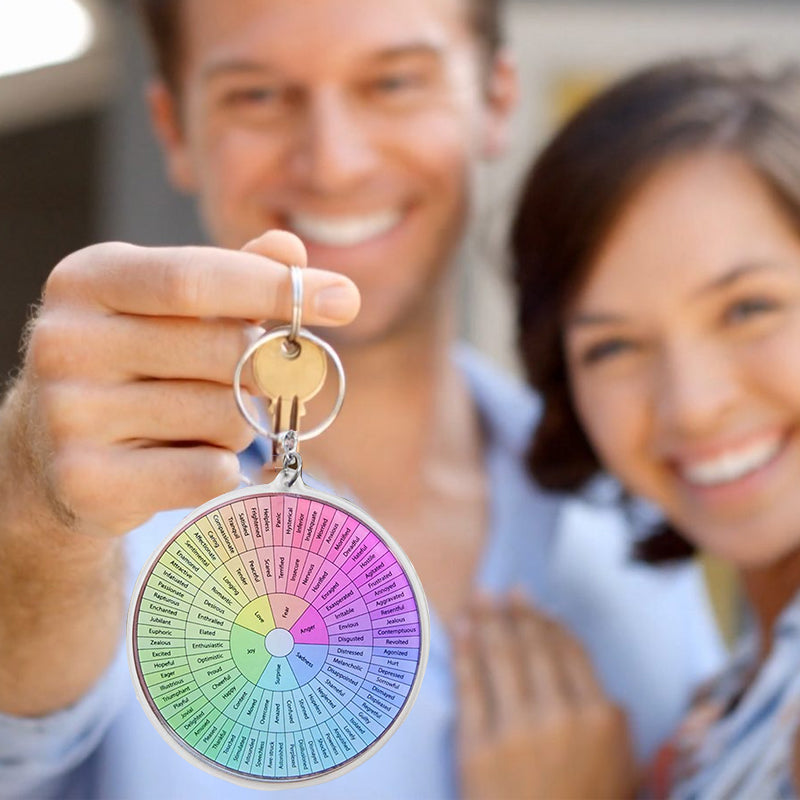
(746, 309)
(604, 350)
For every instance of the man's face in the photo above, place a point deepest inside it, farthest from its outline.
(354, 123)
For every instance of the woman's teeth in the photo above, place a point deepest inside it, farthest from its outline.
(733, 464)
(343, 231)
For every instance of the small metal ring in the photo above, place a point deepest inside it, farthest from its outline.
(296, 274)
(277, 333)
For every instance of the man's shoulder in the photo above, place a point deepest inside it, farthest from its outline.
(509, 408)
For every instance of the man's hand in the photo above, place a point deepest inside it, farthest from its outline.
(123, 408)
(129, 369)
(534, 722)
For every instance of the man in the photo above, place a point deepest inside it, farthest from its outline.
(357, 125)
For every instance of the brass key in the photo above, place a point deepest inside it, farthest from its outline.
(289, 377)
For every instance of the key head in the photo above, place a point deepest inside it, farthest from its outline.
(281, 375)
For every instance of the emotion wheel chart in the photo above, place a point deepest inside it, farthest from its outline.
(277, 637)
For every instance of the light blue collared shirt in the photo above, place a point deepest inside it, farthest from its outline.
(649, 632)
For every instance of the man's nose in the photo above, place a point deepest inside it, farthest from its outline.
(335, 148)
(698, 385)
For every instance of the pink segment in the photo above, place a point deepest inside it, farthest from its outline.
(289, 517)
(310, 628)
(266, 559)
(254, 520)
(321, 531)
(312, 520)
(286, 609)
(297, 562)
(265, 514)
(301, 519)
(309, 577)
(334, 529)
(276, 507)
(282, 557)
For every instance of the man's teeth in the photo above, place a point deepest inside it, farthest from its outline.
(343, 231)
(732, 465)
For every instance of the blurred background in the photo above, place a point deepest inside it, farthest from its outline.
(78, 163)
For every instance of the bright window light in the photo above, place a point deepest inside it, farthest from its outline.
(40, 33)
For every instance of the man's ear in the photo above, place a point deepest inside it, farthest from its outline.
(502, 91)
(169, 129)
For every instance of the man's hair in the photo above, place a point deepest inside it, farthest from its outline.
(160, 19)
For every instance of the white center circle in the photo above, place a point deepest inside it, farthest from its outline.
(279, 642)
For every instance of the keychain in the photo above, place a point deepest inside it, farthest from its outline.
(279, 635)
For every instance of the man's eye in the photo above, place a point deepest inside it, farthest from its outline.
(604, 350)
(749, 308)
(397, 82)
(251, 96)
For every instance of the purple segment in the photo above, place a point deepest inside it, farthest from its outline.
(402, 603)
(392, 652)
(372, 563)
(340, 681)
(353, 652)
(384, 589)
(329, 584)
(382, 677)
(356, 548)
(351, 623)
(346, 605)
(390, 573)
(357, 560)
(352, 637)
(357, 670)
(391, 642)
(400, 624)
(393, 669)
(333, 532)
(341, 542)
(387, 700)
(378, 715)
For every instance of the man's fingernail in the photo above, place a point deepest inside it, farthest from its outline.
(339, 303)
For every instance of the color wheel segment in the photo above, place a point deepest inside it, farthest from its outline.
(277, 637)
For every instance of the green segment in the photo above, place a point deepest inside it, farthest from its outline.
(249, 652)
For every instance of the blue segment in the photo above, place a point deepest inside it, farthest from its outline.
(278, 676)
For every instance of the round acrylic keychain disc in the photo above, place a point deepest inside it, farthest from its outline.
(278, 636)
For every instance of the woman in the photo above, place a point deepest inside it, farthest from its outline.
(656, 251)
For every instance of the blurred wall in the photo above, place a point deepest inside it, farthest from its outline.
(48, 194)
(560, 45)
(96, 174)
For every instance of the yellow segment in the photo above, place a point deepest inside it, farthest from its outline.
(257, 616)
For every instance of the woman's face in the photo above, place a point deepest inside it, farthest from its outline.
(683, 349)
